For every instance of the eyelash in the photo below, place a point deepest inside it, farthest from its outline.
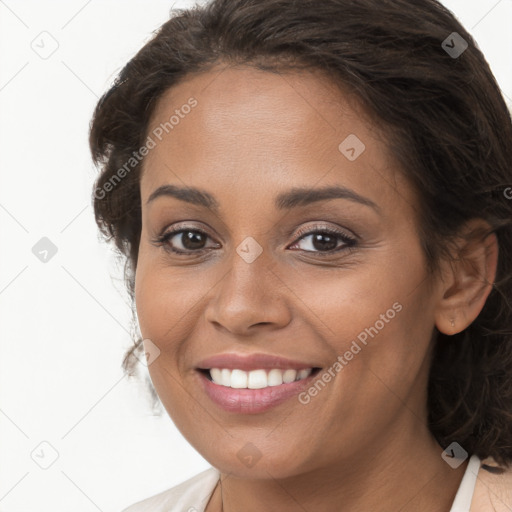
(350, 242)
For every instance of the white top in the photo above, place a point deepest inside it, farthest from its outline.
(193, 495)
(462, 501)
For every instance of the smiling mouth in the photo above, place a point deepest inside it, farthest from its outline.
(256, 379)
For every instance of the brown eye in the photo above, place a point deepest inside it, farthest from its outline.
(183, 241)
(324, 241)
(191, 240)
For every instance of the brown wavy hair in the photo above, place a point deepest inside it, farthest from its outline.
(444, 119)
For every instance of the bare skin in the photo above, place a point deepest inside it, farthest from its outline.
(362, 442)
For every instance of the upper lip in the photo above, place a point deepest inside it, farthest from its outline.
(251, 362)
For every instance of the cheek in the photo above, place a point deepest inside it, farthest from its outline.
(164, 305)
(346, 303)
(381, 319)
(165, 297)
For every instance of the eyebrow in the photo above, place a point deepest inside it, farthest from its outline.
(285, 201)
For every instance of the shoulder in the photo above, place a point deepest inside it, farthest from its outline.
(189, 496)
(493, 489)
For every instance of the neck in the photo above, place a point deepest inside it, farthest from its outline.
(404, 473)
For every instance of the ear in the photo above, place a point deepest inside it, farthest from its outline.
(468, 278)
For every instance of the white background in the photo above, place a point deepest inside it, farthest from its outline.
(65, 324)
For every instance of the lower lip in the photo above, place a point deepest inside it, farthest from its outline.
(252, 401)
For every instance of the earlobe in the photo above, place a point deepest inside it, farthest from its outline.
(468, 278)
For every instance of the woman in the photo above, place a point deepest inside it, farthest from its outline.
(312, 201)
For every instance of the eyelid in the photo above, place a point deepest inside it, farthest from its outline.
(326, 228)
(174, 229)
(349, 240)
(162, 239)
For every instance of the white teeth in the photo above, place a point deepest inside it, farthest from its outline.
(256, 379)
(238, 379)
(289, 376)
(275, 377)
(302, 374)
(225, 378)
(216, 374)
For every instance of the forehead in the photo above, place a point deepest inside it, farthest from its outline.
(254, 128)
(292, 106)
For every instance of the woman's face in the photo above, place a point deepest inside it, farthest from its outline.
(299, 252)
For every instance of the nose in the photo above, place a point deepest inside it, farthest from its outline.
(249, 297)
